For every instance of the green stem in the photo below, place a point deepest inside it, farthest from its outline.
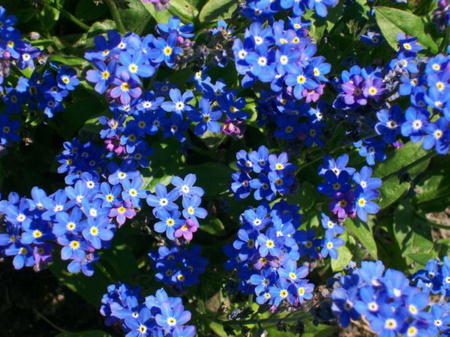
(72, 18)
(116, 16)
(446, 40)
(49, 322)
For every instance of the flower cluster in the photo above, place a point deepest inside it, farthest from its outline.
(423, 80)
(123, 62)
(258, 10)
(81, 218)
(387, 301)
(283, 58)
(172, 222)
(428, 87)
(266, 255)
(349, 200)
(275, 175)
(178, 266)
(13, 47)
(435, 278)
(158, 315)
(43, 92)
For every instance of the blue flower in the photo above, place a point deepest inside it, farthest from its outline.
(135, 65)
(170, 222)
(102, 77)
(97, 231)
(172, 316)
(415, 120)
(207, 119)
(179, 103)
(330, 243)
(389, 123)
(174, 25)
(192, 210)
(363, 203)
(162, 199)
(438, 136)
(168, 48)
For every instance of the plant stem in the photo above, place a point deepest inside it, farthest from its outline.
(49, 322)
(71, 17)
(116, 16)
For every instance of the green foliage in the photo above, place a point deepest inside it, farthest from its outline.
(364, 234)
(217, 9)
(393, 21)
(410, 160)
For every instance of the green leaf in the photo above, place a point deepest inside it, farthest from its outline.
(412, 233)
(119, 259)
(410, 157)
(217, 9)
(213, 226)
(92, 333)
(72, 61)
(305, 198)
(393, 21)
(344, 257)
(364, 234)
(90, 288)
(181, 8)
(77, 113)
(159, 16)
(136, 17)
(87, 10)
(214, 178)
(50, 15)
(164, 163)
(433, 189)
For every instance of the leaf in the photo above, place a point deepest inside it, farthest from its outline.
(433, 189)
(217, 9)
(412, 233)
(92, 333)
(213, 226)
(135, 17)
(164, 163)
(364, 234)
(181, 8)
(305, 198)
(77, 113)
(160, 16)
(214, 178)
(411, 157)
(393, 21)
(87, 10)
(119, 259)
(90, 288)
(69, 60)
(344, 257)
(50, 15)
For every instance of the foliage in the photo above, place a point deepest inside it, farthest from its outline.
(231, 168)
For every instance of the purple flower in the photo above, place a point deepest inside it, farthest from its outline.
(187, 230)
(125, 88)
